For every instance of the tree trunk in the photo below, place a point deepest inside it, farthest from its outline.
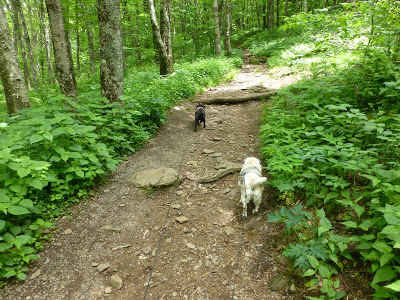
(78, 42)
(277, 13)
(195, 31)
(305, 6)
(19, 44)
(228, 20)
(111, 64)
(270, 14)
(91, 49)
(45, 32)
(168, 62)
(264, 15)
(136, 40)
(64, 68)
(67, 26)
(217, 33)
(165, 31)
(286, 8)
(10, 71)
(27, 40)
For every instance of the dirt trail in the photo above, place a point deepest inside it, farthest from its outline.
(215, 255)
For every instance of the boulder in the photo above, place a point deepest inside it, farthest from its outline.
(160, 177)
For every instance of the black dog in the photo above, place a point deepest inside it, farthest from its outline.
(200, 116)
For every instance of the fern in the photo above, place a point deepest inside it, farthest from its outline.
(300, 253)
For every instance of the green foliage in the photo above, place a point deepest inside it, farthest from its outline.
(332, 140)
(51, 155)
(294, 217)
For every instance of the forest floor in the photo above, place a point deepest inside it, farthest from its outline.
(214, 255)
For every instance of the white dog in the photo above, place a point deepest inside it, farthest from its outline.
(251, 184)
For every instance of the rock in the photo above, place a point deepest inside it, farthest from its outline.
(94, 264)
(67, 231)
(36, 274)
(191, 246)
(111, 228)
(116, 281)
(102, 267)
(229, 230)
(216, 155)
(160, 177)
(226, 191)
(216, 138)
(179, 193)
(176, 206)
(248, 254)
(208, 151)
(221, 164)
(278, 282)
(181, 219)
(107, 290)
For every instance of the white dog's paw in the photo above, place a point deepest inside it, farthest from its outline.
(255, 210)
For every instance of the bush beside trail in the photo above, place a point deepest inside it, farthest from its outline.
(51, 155)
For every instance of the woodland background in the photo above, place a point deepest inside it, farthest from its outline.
(84, 84)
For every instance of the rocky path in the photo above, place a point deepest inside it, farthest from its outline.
(106, 248)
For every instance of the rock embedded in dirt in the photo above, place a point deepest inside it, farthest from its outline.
(102, 267)
(67, 231)
(191, 246)
(208, 151)
(229, 230)
(181, 219)
(221, 164)
(176, 206)
(111, 228)
(116, 281)
(160, 177)
(279, 281)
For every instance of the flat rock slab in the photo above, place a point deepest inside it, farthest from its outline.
(160, 177)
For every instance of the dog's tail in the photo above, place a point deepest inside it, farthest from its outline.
(261, 181)
(250, 190)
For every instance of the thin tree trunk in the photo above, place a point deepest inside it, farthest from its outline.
(159, 41)
(64, 68)
(67, 26)
(305, 6)
(217, 33)
(165, 31)
(91, 49)
(286, 8)
(111, 64)
(195, 31)
(27, 42)
(136, 40)
(77, 17)
(270, 14)
(277, 13)
(19, 43)
(264, 14)
(228, 19)
(10, 71)
(45, 28)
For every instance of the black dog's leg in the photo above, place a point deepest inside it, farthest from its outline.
(204, 121)
(195, 125)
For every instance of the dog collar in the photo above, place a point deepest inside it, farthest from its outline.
(200, 107)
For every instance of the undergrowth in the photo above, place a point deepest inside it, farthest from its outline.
(51, 156)
(331, 141)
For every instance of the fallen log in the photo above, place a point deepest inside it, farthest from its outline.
(221, 173)
(233, 99)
